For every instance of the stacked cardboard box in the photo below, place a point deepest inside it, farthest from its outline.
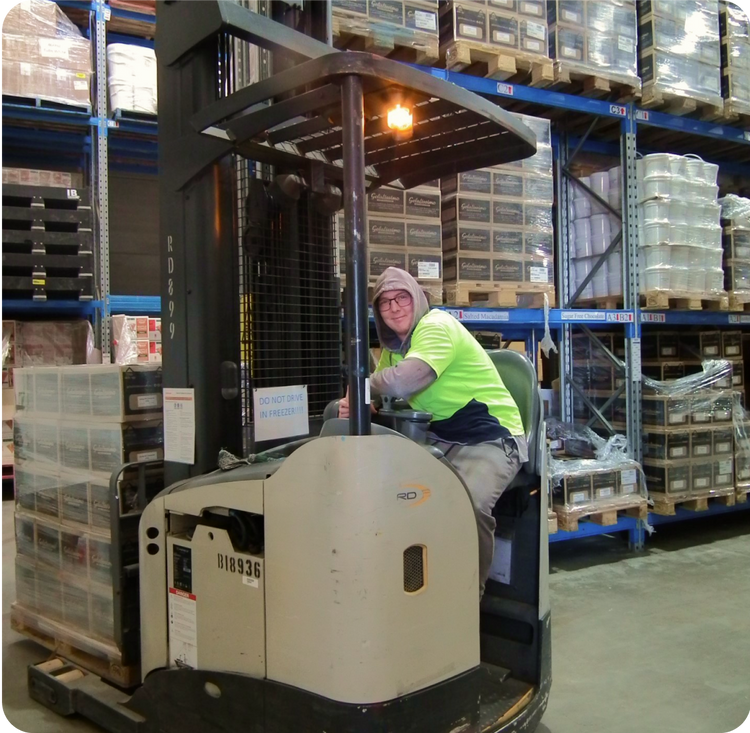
(678, 50)
(595, 38)
(136, 339)
(502, 27)
(403, 230)
(34, 177)
(74, 426)
(384, 25)
(131, 78)
(44, 55)
(497, 225)
(735, 220)
(688, 442)
(735, 59)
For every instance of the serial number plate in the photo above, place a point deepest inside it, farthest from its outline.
(231, 564)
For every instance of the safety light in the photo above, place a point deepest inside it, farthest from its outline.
(399, 118)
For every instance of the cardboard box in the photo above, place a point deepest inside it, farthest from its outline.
(421, 17)
(569, 12)
(386, 11)
(468, 209)
(478, 181)
(701, 344)
(532, 8)
(702, 407)
(381, 259)
(97, 392)
(423, 235)
(533, 35)
(665, 412)
(604, 485)
(723, 442)
(742, 467)
(385, 200)
(508, 240)
(722, 409)
(731, 344)
(25, 79)
(463, 21)
(723, 473)
(467, 269)
(503, 29)
(666, 445)
(467, 238)
(566, 43)
(425, 265)
(386, 232)
(349, 7)
(702, 476)
(663, 371)
(701, 443)
(736, 243)
(662, 345)
(507, 213)
(576, 491)
(667, 477)
(422, 204)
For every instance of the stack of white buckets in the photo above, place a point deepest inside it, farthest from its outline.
(679, 225)
(131, 76)
(592, 229)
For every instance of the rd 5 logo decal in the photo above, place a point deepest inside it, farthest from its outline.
(413, 494)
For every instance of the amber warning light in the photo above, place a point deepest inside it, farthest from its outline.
(399, 118)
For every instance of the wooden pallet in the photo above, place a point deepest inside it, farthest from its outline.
(361, 34)
(586, 83)
(736, 113)
(97, 656)
(666, 505)
(676, 300)
(509, 296)
(567, 519)
(614, 302)
(739, 302)
(655, 98)
(494, 63)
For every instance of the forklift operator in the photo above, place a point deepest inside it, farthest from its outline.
(433, 362)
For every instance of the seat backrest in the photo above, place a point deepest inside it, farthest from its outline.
(519, 376)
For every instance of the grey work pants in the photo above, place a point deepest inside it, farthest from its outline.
(487, 470)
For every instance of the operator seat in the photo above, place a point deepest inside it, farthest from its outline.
(519, 376)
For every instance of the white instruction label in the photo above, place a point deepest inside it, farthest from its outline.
(569, 53)
(532, 45)
(147, 400)
(72, 193)
(280, 412)
(725, 466)
(25, 68)
(80, 86)
(501, 37)
(425, 20)
(469, 30)
(700, 450)
(629, 476)
(531, 9)
(252, 582)
(179, 425)
(603, 493)
(538, 275)
(183, 629)
(678, 452)
(722, 448)
(570, 16)
(500, 570)
(678, 485)
(578, 496)
(701, 483)
(536, 30)
(626, 44)
(367, 391)
(54, 48)
(147, 455)
(635, 352)
(428, 270)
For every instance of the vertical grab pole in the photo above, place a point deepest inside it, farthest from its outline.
(357, 317)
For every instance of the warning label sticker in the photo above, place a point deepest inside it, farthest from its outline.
(183, 629)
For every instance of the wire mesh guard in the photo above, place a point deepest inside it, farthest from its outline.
(289, 309)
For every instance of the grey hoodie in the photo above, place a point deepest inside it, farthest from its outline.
(395, 279)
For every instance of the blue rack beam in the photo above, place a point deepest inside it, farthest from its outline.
(66, 307)
(135, 304)
(694, 318)
(683, 515)
(590, 529)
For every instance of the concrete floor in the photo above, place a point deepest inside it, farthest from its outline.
(654, 641)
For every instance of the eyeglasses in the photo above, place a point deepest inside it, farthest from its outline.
(402, 300)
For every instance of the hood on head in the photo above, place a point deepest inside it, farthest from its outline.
(396, 279)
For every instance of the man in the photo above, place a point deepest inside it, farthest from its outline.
(432, 361)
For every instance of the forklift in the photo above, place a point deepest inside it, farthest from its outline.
(329, 584)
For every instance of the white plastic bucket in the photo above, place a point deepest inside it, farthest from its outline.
(677, 165)
(656, 233)
(656, 210)
(581, 208)
(714, 280)
(678, 212)
(579, 192)
(614, 197)
(615, 177)
(582, 237)
(679, 278)
(582, 268)
(599, 282)
(656, 256)
(662, 186)
(656, 278)
(697, 281)
(600, 183)
(614, 283)
(657, 164)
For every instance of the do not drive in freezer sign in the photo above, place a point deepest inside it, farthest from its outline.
(280, 412)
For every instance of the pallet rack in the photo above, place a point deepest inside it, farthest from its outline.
(580, 123)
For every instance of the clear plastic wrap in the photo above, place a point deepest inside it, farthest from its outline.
(44, 55)
(385, 25)
(595, 38)
(49, 343)
(608, 480)
(136, 339)
(679, 230)
(131, 78)
(592, 228)
(735, 214)
(404, 231)
(103, 393)
(497, 222)
(517, 29)
(735, 58)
